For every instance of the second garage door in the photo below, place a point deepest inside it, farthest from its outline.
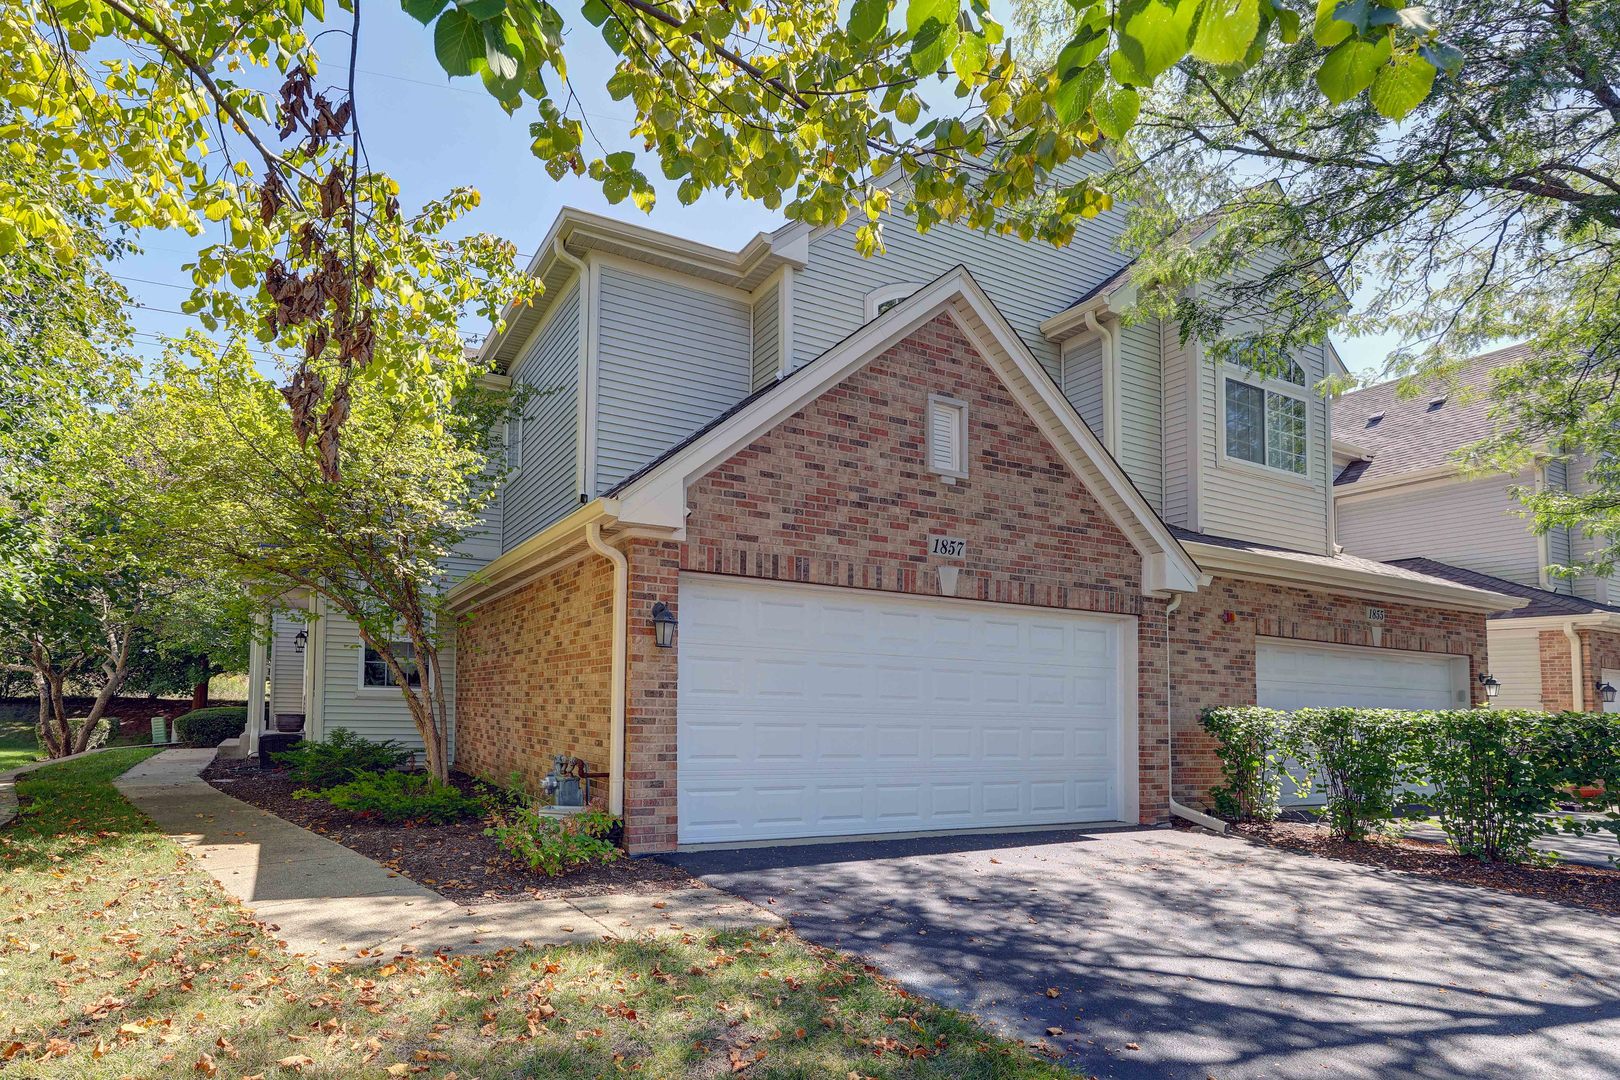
(808, 711)
(1297, 675)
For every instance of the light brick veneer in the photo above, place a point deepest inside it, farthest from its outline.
(1213, 660)
(533, 676)
(838, 494)
(1598, 651)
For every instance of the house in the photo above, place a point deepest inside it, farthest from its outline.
(1403, 494)
(801, 544)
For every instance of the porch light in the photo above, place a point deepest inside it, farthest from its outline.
(300, 639)
(663, 625)
(1492, 685)
(1605, 691)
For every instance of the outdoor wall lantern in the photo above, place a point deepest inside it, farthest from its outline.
(1605, 690)
(300, 639)
(663, 625)
(1492, 685)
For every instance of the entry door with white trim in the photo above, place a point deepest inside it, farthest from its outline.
(810, 711)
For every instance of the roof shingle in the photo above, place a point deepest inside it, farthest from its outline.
(1542, 603)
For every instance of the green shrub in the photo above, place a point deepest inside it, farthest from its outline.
(553, 845)
(1361, 756)
(397, 797)
(1252, 744)
(207, 728)
(342, 757)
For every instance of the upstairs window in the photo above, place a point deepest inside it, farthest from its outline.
(947, 437)
(1266, 427)
(880, 300)
(375, 672)
(514, 443)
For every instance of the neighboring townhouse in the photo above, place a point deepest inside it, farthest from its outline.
(802, 544)
(1403, 495)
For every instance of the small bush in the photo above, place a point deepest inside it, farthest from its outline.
(1252, 744)
(397, 797)
(341, 758)
(1361, 756)
(554, 845)
(207, 728)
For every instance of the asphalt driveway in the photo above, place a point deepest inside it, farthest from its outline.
(1182, 955)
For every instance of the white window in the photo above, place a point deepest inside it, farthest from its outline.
(947, 437)
(375, 672)
(514, 443)
(1266, 426)
(880, 300)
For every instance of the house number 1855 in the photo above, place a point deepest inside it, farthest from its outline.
(950, 547)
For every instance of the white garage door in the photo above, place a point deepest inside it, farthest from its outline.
(1290, 675)
(808, 711)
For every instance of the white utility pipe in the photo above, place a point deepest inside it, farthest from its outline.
(1180, 810)
(621, 599)
(1577, 677)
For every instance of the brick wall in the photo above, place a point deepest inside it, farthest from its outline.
(1556, 694)
(1598, 651)
(1213, 660)
(533, 676)
(838, 494)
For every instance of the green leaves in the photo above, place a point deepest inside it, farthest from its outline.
(1351, 67)
(934, 33)
(1226, 29)
(458, 42)
(423, 11)
(1152, 36)
(868, 19)
(1402, 85)
(1116, 114)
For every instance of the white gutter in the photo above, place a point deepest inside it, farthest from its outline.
(1577, 677)
(621, 599)
(1180, 810)
(1110, 379)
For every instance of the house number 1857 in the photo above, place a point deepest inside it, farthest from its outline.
(951, 547)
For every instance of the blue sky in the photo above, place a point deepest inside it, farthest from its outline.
(432, 133)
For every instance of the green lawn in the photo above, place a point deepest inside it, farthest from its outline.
(120, 958)
(18, 745)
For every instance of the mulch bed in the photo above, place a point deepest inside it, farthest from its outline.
(1589, 887)
(457, 861)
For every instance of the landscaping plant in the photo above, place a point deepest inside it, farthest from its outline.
(1252, 744)
(555, 845)
(1360, 755)
(397, 797)
(207, 728)
(342, 757)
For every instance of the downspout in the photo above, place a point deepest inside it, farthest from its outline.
(584, 420)
(621, 596)
(1180, 810)
(1577, 677)
(1110, 387)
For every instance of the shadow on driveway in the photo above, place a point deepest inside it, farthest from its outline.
(1182, 955)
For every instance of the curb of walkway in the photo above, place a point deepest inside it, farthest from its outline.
(8, 780)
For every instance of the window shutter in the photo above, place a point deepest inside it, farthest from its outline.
(946, 421)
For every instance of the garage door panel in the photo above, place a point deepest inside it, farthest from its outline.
(883, 713)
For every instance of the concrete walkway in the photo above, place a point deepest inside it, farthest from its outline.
(333, 904)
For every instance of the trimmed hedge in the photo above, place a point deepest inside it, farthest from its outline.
(207, 728)
(1498, 775)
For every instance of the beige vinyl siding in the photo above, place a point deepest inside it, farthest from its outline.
(767, 342)
(670, 358)
(1588, 587)
(1083, 380)
(373, 712)
(1251, 502)
(286, 666)
(1029, 281)
(1468, 523)
(1515, 661)
(1140, 441)
(1178, 378)
(545, 487)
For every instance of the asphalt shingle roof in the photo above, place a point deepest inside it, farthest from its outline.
(1542, 603)
(1414, 433)
(1396, 570)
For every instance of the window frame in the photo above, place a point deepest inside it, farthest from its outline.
(387, 687)
(960, 408)
(889, 294)
(1279, 387)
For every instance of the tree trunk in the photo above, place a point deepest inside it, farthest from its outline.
(199, 695)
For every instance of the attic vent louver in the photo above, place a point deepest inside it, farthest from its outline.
(1435, 403)
(1372, 421)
